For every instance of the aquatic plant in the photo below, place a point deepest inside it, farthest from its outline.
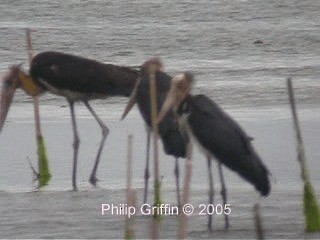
(310, 204)
(44, 175)
(43, 163)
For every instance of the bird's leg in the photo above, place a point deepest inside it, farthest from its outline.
(211, 193)
(146, 171)
(176, 173)
(76, 143)
(223, 194)
(105, 131)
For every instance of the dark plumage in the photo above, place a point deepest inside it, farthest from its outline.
(221, 136)
(78, 74)
(173, 141)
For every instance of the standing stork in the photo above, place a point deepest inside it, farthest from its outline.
(75, 78)
(216, 132)
(174, 142)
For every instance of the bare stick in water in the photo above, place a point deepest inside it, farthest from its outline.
(157, 198)
(129, 232)
(186, 192)
(311, 209)
(154, 114)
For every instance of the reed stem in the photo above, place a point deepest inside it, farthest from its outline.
(310, 204)
(157, 184)
(130, 198)
(186, 193)
(43, 162)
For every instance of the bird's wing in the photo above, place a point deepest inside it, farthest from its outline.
(74, 73)
(226, 130)
(219, 134)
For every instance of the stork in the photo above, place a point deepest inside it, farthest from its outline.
(174, 142)
(75, 78)
(216, 132)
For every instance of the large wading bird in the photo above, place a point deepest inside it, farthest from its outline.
(216, 132)
(76, 79)
(174, 142)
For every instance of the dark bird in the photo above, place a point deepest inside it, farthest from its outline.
(174, 142)
(75, 78)
(216, 132)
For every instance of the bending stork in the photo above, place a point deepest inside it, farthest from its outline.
(76, 79)
(174, 142)
(216, 132)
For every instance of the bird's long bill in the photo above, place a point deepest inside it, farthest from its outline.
(131, 102)
(168, 104)
(179, 90)
(7, 93)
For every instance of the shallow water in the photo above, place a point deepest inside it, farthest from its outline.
(78, 215)
(214, 40)
(27, 214)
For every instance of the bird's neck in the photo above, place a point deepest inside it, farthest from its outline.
(29, 85)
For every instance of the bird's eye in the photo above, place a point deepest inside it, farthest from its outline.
(180, 86)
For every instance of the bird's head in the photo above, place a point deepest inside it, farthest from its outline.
(179, 90)
(14, 78)
(152, 65)
(148, 67)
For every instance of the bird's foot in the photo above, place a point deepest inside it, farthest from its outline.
(93, 180)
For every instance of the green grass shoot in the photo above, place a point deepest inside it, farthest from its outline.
(311, 209)
(43, 163)
(157, 200)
